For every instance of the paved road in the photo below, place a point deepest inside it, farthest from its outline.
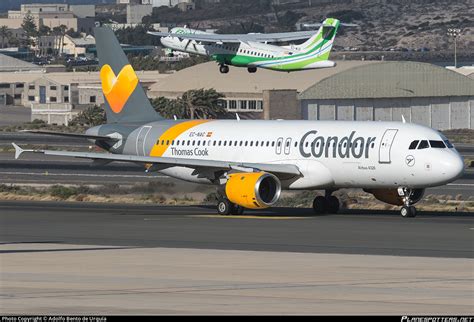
(290, 230)
(12, 115)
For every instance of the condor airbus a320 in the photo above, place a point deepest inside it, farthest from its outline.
(250, 162)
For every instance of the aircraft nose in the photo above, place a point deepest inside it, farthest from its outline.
(453, 166)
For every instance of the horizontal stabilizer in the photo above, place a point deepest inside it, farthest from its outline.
(73, 135)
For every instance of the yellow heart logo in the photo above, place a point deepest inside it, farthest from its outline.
(117, 89)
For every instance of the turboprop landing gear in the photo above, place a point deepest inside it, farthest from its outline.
(328, 204)
(251, 69)
(224, 69)
(407, 210)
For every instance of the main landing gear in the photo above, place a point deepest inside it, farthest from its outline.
(251, 69)
(224, 69)
(326, 205)
(225, 207)
(407, 210)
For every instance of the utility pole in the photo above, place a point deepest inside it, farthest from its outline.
(455, 33)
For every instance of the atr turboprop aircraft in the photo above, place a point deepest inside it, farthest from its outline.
(253, 51)
(250, 162)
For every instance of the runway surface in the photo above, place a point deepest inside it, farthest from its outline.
(40, 169)
(282, 229)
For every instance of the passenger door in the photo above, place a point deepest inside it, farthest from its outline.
(386, 145)
(141, 140)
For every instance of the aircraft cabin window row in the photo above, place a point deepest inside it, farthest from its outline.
(253, 143)
(425, 144)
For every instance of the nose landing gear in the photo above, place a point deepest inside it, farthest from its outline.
(408, 210)
(326, 205)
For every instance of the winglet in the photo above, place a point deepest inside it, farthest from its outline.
(18, 151)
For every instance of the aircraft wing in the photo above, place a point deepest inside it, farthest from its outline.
(238, 38)
(201, 166)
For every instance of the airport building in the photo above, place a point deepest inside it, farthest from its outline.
(354, 90)
(54, 96)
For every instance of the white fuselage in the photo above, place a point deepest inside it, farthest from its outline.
(254, 49)
(329, 154)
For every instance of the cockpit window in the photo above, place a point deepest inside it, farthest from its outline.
(448, 144)
(423, 145)
(437, 144)
(413, 145)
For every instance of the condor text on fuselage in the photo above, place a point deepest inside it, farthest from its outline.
(346, 147)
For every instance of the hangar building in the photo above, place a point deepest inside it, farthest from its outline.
(353, 90)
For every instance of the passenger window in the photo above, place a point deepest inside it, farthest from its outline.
(273, 143)
(199, 143)
(241, 142)
(220, 143)
(251, 143)
(437, 144)
(225, 143)
(246, 142)
(423, 145)
(215, 142)
(413, 145)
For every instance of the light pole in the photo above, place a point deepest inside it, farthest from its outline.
(455, 33)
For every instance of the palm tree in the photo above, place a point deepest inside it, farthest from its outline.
(202, 104)
(4, 33)
(62, 32)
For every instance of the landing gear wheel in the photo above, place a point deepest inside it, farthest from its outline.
(332, 204)
(320, 205)
(408, 211)
(224, 69)
(251, 69)
(224, 207)
(237, 210)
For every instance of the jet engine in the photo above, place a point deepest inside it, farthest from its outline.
(392, 196)
(254, 190)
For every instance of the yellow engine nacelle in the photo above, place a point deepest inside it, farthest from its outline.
(391, 196)
(254, 190)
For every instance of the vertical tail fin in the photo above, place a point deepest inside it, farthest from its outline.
(125, 99)
(321, 43)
